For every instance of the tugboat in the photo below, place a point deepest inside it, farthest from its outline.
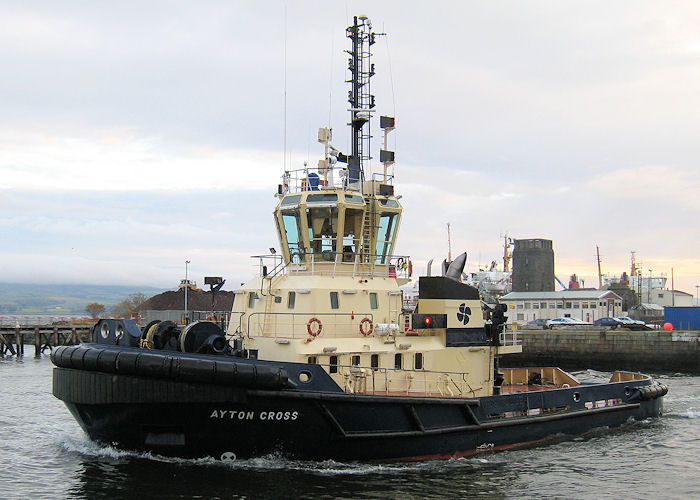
(319, 359)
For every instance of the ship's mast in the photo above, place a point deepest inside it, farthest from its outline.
(360, 99)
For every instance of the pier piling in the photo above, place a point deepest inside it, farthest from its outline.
(14, 338)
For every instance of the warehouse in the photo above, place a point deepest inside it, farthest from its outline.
(584, 304)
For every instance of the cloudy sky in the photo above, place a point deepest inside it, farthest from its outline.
(136, 135)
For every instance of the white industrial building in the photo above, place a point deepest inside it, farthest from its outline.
(667, 298)
(583, 304)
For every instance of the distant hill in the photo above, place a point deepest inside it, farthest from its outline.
(17, 298)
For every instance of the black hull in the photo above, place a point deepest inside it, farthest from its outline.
(194, 419)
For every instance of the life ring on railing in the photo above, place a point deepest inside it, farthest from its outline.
(366, 321)
(312, 332)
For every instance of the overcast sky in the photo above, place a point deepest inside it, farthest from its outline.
(136, 135)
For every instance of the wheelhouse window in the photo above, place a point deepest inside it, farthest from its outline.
(353, 198)
(352, 232)
(292, 233)
(334, 300)
(323, 231)
(321, 197)
(291, 199)
(385, 235)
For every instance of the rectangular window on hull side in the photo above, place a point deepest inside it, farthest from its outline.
(291, 299)
(373, 302)
(374, 361)
(252, 296)
(334, 364)
(418, 361)
(398, 361)
(334, 300)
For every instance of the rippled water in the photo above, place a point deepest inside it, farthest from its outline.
(44, 454)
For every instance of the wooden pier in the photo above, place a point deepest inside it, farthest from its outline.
(13, 339)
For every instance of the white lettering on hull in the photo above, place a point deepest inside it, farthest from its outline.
(267, 416)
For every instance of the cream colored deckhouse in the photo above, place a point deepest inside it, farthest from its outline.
(331, 295)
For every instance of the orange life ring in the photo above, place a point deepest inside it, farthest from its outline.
(364, 322)
(313, 321)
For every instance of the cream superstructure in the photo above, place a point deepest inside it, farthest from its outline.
(331, 295)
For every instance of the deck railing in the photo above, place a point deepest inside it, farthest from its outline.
(330, 263)
(286, 325)
(398, 381)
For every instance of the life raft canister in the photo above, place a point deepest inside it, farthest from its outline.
(314, 332)
(366, 331)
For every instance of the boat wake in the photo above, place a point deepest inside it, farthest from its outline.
(83, 446)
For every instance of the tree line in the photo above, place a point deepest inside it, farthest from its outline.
(126, 308)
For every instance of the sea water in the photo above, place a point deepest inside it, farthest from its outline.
(45, 454)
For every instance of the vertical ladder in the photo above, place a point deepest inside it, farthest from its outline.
(267, 316)
(367, 229)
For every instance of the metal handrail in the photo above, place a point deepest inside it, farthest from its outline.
(332, 178)
(332, 264)
(307, 316)
(510, 337)
(376, 380)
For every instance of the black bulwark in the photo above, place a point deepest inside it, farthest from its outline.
(441, 287)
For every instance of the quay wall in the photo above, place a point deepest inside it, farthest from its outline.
(651, 350)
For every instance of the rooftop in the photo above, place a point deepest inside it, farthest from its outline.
(578, 293)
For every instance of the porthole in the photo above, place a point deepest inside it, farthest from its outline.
(577, 397)
(104, 330)
(305, 377)
(628, 391)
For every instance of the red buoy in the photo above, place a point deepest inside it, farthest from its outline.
(668, 327)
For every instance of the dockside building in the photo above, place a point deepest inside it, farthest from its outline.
(584, 304)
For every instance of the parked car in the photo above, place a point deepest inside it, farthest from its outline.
(538, 323)
(566, 321)
(633, 324)
(626, 320)
(611, 322)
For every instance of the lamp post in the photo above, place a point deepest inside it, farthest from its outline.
(187, 285)
(697, 299)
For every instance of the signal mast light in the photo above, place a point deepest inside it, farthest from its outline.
(427, 321)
